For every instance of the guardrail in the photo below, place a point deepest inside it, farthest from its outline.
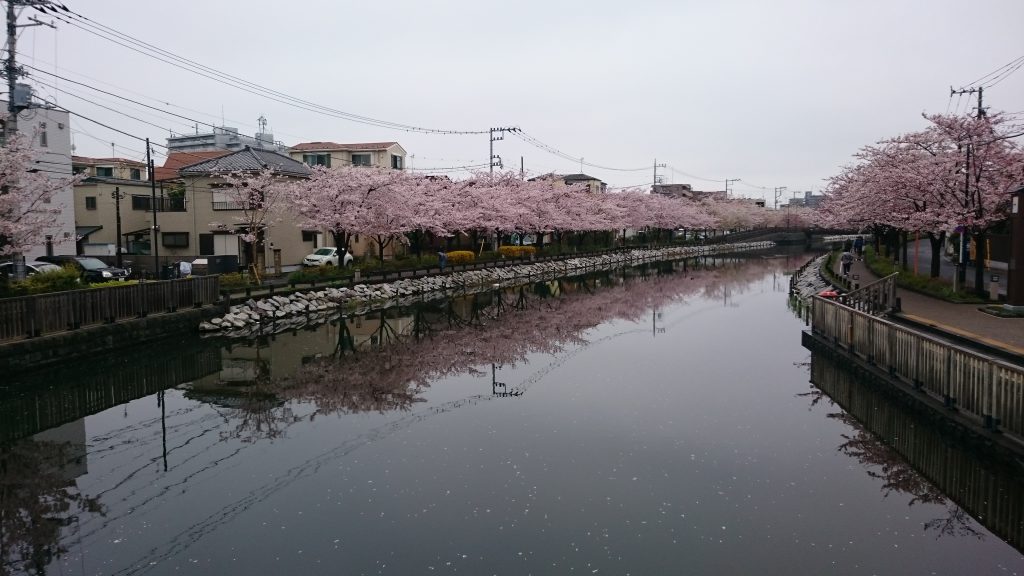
(876, 298)
(987, 390)
(32, 316)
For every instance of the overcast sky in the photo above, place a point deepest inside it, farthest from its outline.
(775, 92)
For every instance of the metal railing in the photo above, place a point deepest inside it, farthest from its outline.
(32, 316)
(989, 390)
(876, 298)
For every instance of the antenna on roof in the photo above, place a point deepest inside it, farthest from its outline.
(263, 123)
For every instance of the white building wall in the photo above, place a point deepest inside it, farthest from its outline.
(55, 159)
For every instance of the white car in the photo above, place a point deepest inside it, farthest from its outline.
(327, 257)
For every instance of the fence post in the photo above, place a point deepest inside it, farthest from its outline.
(31, 312)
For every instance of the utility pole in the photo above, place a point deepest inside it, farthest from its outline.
(154, 231)
(655, 182)
(778, 194)
(727, 180)
(11, 69)
(13, 108)
(980, 90)
(501, 132)
(117, 210)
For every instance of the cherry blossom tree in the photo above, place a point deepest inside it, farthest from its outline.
(26, 191)
(956, 174)
(261, 198)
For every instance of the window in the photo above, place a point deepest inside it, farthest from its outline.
(104, 172)
(90, 202)
(396, 162)
(43, 142)
(136, 174)
(309, 235)
(206, 244)
(317, 160)
(360, 159)
(175, 239)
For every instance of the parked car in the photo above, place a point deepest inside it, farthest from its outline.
(328, 257)
(31, 268)
(91, 269)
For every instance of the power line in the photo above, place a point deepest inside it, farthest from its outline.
(1015, 62)
(127, 41)
(556, 152)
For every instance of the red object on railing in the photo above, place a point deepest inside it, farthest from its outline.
(828, 294)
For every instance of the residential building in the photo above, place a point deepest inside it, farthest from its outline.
(328, 154)
(177, 160)
(223, 138)
(673, 190)
(593, 184)
(119, 168)
(51, 132)
(194, 232)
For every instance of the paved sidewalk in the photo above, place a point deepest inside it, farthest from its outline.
(961, 321)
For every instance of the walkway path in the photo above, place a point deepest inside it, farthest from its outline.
(963, 322)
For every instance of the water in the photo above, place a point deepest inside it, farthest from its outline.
(649, 423)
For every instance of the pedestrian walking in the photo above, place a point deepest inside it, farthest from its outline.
(442, 259)
(858, 247)
(845, 261)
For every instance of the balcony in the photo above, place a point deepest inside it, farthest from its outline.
(163, 204)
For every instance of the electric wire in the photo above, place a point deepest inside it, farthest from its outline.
(127, 41)
(1016, 61)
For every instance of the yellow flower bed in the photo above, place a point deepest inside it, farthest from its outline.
(517, 251)
(460, 257)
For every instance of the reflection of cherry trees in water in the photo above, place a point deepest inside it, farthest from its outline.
(37, 500)
(387, 368)
(884, 463)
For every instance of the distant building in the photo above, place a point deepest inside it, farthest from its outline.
(673, 190)
(52, 141)
(223, 138)
(593, 184)
(812, 200)
(333, 154)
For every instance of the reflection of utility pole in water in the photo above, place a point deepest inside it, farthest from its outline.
(500, 389)
(655, 316)
(161, 401)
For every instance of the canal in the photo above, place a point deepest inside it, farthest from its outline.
(654, 420)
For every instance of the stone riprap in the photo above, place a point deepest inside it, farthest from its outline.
(810, 280)
(279, 313)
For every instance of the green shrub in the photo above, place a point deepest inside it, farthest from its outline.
(517, 251)
(112, 283)
(937, 287)
(460, 257)
(235, 281)
(317, 274)
(55, 281)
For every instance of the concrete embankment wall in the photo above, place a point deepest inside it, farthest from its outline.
(35, 353)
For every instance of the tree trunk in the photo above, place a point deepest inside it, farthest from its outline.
(936, 242)
(903, 243)
(980, 255)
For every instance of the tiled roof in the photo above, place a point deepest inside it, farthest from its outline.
(577, 177)
(247, 160)
(565, 177)
(177, 160)
(94, 161)
(306, 146)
